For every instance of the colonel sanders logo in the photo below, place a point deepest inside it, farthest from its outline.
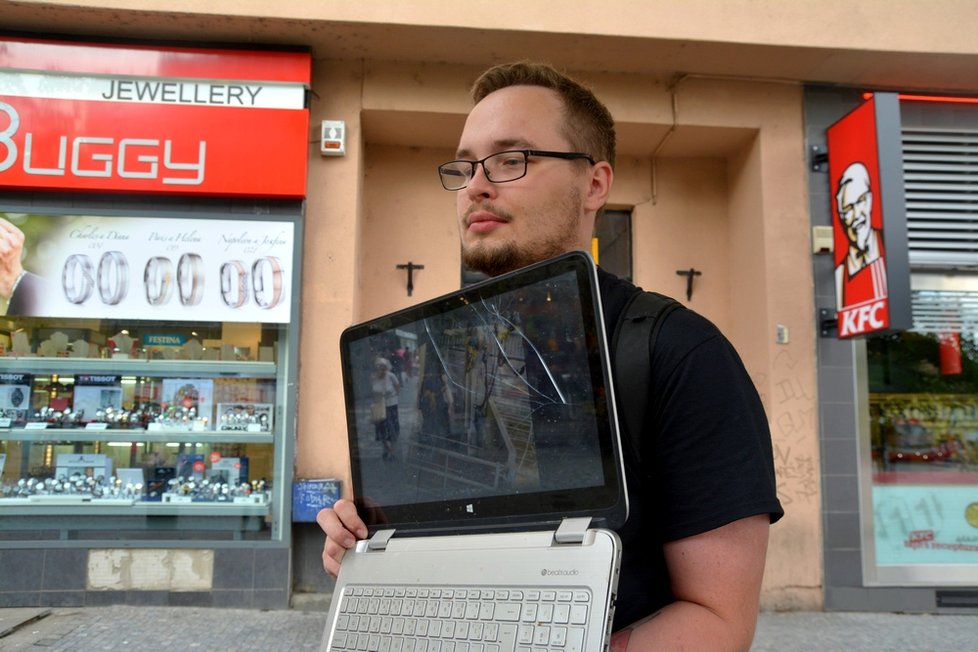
(860, 277)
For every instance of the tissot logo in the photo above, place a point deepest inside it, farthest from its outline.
(95, 380)
(554, 572)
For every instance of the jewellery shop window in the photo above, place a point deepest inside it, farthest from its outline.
(142, 378)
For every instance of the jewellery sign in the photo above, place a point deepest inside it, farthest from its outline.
(872, 269)
(156, 120)
(172, 269)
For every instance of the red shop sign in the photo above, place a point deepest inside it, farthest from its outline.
(872, 271)
(153, 120)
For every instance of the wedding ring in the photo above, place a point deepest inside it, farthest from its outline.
(234, 291)
(190, 280)
(78, 278)
(258, 281)
(113, 267)
(158, 280)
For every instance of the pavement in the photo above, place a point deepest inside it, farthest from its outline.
(85, 629)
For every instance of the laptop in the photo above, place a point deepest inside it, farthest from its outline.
(486, 463)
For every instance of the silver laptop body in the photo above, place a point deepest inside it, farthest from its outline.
(492, 487)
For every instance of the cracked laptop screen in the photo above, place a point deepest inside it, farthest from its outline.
(495, 392)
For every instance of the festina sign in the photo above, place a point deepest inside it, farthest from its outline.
(149, 119)
(872, 270)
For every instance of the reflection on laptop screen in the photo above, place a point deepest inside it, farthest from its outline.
(496, 392)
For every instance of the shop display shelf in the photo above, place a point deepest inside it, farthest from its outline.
(54, 435)
(139, 367)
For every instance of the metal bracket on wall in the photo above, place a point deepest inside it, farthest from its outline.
(689, 274)
(410, 267)
(818, 159)
(828, 323)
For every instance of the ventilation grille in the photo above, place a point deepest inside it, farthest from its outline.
(944, 311)
(959, 599)
(940, 171)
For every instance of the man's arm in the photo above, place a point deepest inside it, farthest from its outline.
(716, 580)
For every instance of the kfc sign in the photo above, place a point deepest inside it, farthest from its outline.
(872, 275)
(155, 120)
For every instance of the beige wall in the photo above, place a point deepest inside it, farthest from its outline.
(921, 45)
(407, 216)
(331, 245)
(686, 227)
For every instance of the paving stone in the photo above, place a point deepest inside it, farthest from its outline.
(127, 628)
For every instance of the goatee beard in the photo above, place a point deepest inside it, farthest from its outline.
(495, 258)
(492, 261)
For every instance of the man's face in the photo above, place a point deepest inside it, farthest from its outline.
(504, 226)
(855, 208)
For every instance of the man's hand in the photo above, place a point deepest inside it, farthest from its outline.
(619, 640)
(343, 526)
(11, 248)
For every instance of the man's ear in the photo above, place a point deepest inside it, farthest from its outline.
(602, 176)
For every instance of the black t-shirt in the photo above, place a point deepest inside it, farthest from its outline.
(706, 450)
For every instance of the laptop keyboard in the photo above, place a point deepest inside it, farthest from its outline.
(461, 619)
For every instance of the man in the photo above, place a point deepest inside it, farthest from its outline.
(861, 275)
(22, 289)
(536, 165)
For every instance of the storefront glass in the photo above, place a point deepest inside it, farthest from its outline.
(144, 387)
(923, 446)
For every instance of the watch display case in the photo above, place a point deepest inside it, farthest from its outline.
(146, 374)
(121, 431)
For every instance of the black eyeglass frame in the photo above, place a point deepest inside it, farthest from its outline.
(527, 153)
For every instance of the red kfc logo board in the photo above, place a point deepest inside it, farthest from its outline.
(153, 120)
(869, 219)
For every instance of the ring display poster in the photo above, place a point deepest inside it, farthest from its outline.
(142, 373)
(119, 267)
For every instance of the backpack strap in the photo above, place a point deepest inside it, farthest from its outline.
(632, 346)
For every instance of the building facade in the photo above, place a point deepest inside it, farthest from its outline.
(717, 108)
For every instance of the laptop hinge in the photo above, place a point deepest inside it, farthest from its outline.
(379, 540)
(572, 530)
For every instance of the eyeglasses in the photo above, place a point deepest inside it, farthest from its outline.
(499, 168)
